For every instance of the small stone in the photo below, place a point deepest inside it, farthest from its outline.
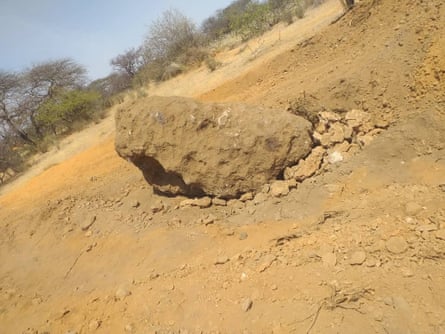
(400, 304)
(88, 223)
(37, 301)
(307, 167)
(68, 229)
(330, 116)
(259, 198)
(378, 315)
(210, 219)
(135, 204)
(30, 331)
(274, 287)
(243, 277)
(243, 236)
(122, 293)
(334, 135)
(186, 203)
(94, 324)
(157, 207)
(406, 272)
(357, 258)
(371, 262)
(329, 259)
(366, 139)
(292, 183)
(335, 157)
(412, 209)
(153, 276)
(129, 328)
(222, 259)
(229, 232)
(440, 235)
(235, 203)
(356, 118)
(427, 228)
(203, 202)
(279, 188)
(246, 197)
(396, 245)
(219, 202)
(246, 304)
(88, 233)
(267, 262)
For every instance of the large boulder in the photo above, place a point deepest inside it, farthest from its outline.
(222, 149)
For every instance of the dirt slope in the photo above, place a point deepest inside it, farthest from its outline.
(86, 247)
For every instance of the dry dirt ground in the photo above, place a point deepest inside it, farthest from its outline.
(86, 247)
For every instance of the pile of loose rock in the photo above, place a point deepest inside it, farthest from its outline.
(219, 152)
(338, 137)
(185, 147)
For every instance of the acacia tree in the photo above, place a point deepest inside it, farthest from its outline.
(170, 36)
(21, 95)
(43, 81)
(11, 106)
(129, 62)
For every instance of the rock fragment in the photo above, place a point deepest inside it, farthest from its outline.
(122, 293)
(185, 147)
(219, 202)
(440, 234)
(396, 245)
(413, 208)
(88, 223)
(222, 259)
(357, 258)
(203, 202)
(307, 167)
(246, 304)
(279, 188)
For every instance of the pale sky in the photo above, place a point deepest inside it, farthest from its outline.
(89, 31)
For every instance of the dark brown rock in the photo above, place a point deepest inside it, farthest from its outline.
(187, 147)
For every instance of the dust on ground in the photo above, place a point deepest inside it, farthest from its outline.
(87, 247)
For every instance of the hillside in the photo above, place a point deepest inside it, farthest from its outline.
(86, 247)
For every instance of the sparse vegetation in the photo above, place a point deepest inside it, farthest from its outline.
(46, 100)
(174, 41)
(52, 98)
(212, 64)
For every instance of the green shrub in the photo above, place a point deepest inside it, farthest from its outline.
(253, 21)
(66, 107)
(300, 10)
(212, 64)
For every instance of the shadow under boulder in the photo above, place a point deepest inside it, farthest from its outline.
(185, 147)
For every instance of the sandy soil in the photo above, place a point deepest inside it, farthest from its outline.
(86, 247)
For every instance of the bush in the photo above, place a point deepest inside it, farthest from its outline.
(60, 112)
(300, 10)
(170, 36)
(193, 56)
(253, 21)
(212, 64)
(10, 160)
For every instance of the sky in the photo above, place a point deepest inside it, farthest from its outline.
(89, 31)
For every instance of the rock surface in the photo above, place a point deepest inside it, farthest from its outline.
(186, 147)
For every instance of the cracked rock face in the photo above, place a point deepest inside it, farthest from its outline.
(185, 147)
